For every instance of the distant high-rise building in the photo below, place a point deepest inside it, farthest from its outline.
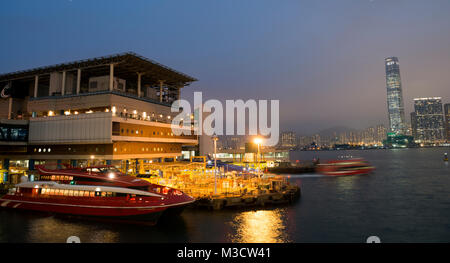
(394, 96)
(288, 140)
(413, 125)
(447, 120)
(429, 120)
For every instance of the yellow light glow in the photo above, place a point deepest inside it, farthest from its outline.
(257, 140)
(51, 113)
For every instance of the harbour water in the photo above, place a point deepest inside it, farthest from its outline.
(407, 199)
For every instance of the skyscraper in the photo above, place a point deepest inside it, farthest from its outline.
(447, 120)
(394, 96)
(429, 120)
(414, 124)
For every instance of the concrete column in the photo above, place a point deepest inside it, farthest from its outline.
(161, 82)
(10, 101)
(78, 81)
(139, 85)
(111, 77)
(63, 84)
(36, 85)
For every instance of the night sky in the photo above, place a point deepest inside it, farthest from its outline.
(324, 60)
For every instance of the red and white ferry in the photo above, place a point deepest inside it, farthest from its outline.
(100, 191)
(345, 167)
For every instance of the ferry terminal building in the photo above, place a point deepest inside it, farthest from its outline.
(106, 110)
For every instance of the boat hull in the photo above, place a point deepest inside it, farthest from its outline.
(347, 173)
(137, 213)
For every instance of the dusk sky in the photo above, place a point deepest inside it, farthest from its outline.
(324, 60)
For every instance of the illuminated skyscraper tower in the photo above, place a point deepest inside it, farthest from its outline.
(394, 96)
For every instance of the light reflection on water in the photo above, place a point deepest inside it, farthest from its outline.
(261, 226)
(53, 229)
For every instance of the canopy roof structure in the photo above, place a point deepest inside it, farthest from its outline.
(127, 65)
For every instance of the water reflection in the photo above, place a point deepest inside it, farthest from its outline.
(262, 226)
(54, 229)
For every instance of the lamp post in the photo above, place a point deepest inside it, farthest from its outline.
(258, 142)
(215, 138)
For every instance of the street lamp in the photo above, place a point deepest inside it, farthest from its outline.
(215, 139)
(258, 142)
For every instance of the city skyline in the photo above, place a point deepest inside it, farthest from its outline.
(330, 76)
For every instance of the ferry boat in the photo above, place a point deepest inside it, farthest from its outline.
(101, 192)
(345, 167)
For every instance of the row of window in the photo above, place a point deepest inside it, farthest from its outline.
(122, 131)
(155, 149)
(81, 193)
(57, 177)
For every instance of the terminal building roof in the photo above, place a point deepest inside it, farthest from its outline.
(128, 65)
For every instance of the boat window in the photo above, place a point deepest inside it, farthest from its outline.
(66, 192)
(91, 194)
(70, 192)
(103, 194)
(98, 193)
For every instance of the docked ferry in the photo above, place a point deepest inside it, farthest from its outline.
(345, 167)
(100, 191)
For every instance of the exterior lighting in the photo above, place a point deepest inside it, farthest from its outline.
(67, 112)
(89, 111)
(135, 112)
(97, 189)
(111, 175)
(51, 113)
(168, 117)
(215, 139)
(113, 109)
(144, 114)
(258, 142)
(106, 110)
(75, 112)
(92, 157)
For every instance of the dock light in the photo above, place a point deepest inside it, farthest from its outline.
(111, 175)
(257, 140)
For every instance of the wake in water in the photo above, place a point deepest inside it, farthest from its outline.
(306, 175)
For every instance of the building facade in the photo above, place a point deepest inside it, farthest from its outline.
(394, 96)
(447, 120)
(429, 117)
(110, 110)
(288, 140)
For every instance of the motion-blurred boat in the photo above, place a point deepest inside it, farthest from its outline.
(345, 167)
